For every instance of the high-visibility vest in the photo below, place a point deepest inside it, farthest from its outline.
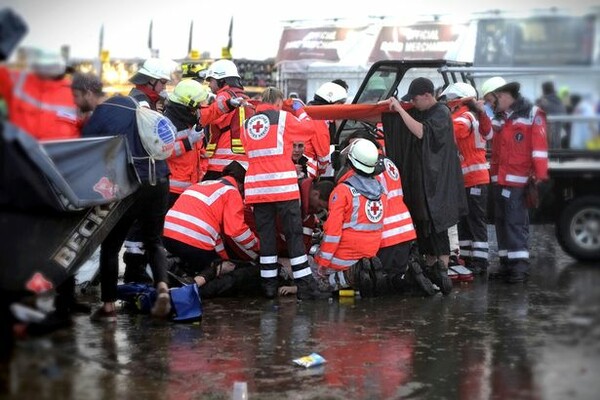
(205, 212)
(397, 223)
(43, 108)
(352, 230)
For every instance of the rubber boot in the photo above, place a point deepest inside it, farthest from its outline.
(416, 279)
(379, 277)
(308, 289)
(438, 274)
(362, 277)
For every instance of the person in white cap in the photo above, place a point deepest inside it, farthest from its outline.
(39, 99)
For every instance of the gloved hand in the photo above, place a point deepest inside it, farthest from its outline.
(235, 102)
(297, 104)
(195, 136)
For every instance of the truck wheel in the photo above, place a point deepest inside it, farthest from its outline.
(578, 229)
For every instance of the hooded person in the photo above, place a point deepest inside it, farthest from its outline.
(352, 232)
(183, 109)
(432, 178)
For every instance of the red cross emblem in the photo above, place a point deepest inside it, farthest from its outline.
(374, 210)
(391, 169)
(259, 126)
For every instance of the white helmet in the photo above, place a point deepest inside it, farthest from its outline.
(222, 69)
(158, 68)
(332, 92)
(459, 90)
(492, 84)
(189, 93)
(363, 155)
(48, 62)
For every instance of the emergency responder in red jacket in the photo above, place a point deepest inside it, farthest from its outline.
(204, 214)
(327, 94)
(224, 118)
(40, 101)
(182, 110)
(352, 232)
(472, 129)
(271, 186)
(151, 82)
(519, 155)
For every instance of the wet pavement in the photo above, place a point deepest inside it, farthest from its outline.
(486, 340)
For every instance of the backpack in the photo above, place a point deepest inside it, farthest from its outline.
(156, 131)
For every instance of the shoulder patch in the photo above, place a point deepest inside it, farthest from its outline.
(391, 169)
(258, 126)
(374, 210)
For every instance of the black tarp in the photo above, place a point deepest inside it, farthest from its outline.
(58, 201)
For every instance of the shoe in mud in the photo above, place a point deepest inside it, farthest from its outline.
(308, 289)
(162, 305)
(103, 316)
(362, 277)
(416, 279)
(269, 287)
(438, 275)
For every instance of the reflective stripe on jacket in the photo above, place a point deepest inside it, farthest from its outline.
(205, 212)
(519, 146)
(186, 168)
(352, 230)
(268, 138)
(471, 139)
(397, 223)
(224, 126)
(44, 108)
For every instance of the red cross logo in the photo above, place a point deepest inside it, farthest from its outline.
(257, 126)
(391, 169)
(374, 210)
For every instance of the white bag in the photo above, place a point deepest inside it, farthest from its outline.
(157, 133)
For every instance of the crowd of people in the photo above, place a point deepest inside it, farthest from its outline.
(242, 201)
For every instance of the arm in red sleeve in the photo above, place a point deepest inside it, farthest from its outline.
(339, 204)
(210, 114)
(234, 225)
(539, 146)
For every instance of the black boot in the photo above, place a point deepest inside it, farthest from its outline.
(500, 273)
(417, 280)
(270, 286)
(379, 277)
(438, 274)
(135, 268)
(308, 289)
(362, 279)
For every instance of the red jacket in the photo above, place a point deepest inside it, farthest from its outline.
(268, 138)
(397, 223)
(207, 211)
(43, 108)
(471, 134)
(225, 125)
(519, 146)
(353, 227)
(185, 165)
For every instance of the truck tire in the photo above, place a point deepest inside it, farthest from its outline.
(578, 229)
